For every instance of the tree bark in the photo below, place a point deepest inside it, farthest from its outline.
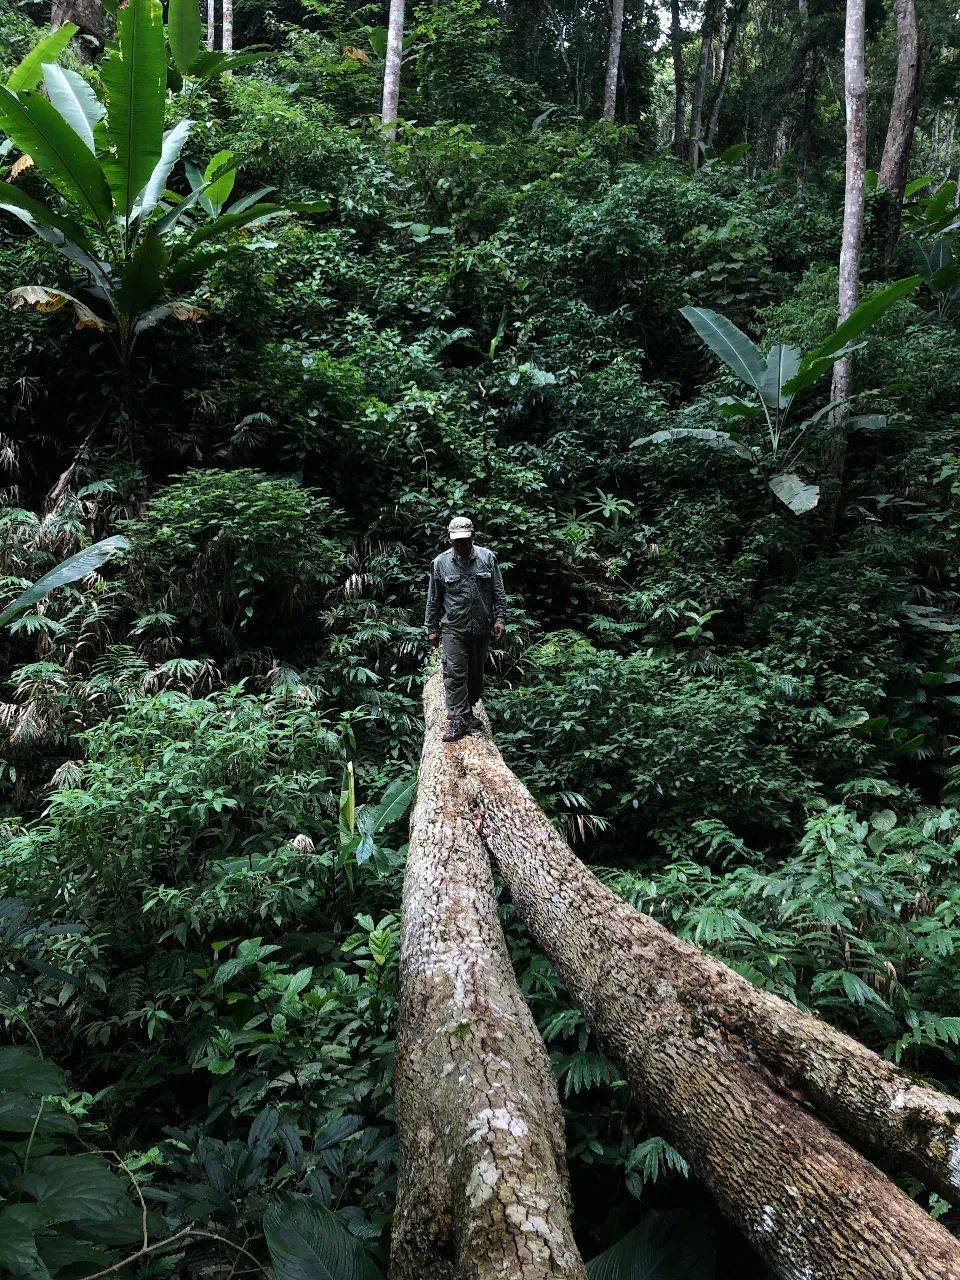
(211, 23)
(676, 46)
(226, 26)
(391, 69)
(902, 122)
(88, 16)
(482, 1188)
(809, 94)
(729, 48)
(613, 60)
(855, 94)
(720, 1065)
(700, 85)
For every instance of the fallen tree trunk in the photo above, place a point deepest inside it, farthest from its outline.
(718, 1063)
(482, 1188)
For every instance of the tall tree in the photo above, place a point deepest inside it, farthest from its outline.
(700, 82)
(211, 22)
(676, 48)
(226, 26)
(482, 1176)
(809, 82)
(88, 16)
(613, 60)
(855, 96)
(391, 68)
(729, 48)
(903, 119)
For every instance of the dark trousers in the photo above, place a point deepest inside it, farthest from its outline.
(464, 656)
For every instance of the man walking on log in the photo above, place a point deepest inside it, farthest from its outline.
(465, 604)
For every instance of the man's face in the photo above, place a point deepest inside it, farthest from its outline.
(463, 547)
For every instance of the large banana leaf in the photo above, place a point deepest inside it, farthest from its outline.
(36, 215)
(219, 177)
(728, 342)
(817, 361)
(74, 99)
(183, 33)
(71, 570)
(27, 74)
(142, 280)
(173, 141)
(135, 80)
(782, 364)
(794, 493)
(712, 439)
(39, 130)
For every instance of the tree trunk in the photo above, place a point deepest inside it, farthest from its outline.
(725, 1069)
(482, 1188)
(729, 47)
(700, 86)
(809, 95)
(676, 46)
(613, 60)
(855, 93)
(903, 119)
(391, 69)
(88, 16)
(226, 26)
(211, 23)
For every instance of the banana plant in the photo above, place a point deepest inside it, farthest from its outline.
(132, 244)
(774, 381)
(191, 61)
(940, 268)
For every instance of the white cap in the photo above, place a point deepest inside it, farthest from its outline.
(460, 527)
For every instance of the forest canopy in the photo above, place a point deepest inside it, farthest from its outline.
(666, 300)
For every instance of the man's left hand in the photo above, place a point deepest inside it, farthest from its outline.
(498, 629)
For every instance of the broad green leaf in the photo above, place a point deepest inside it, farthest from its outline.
(347, 800)
(142, 279)
(27, 75)
(135, 80)
(665, 1246)
(712, 439)
(20, 1114)
(18, 1249)
(932, 255)
(71, 570)
(74, 99)
(782, 364)
(918, 184)
(36, 214)
(732, 346)
(76, 1188)
(228, 222)
(794, 493)
(867, 422)
(184, 31)
(862, 317)
(943, 280)
(173, 141)
(396, 800)
(219, 177)
(40, 131)
(245, 202)
(378, 40)
(308, 1242)
(23, 1072)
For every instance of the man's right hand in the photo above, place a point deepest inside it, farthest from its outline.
(433, 637)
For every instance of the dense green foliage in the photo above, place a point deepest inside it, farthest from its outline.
(744, 718)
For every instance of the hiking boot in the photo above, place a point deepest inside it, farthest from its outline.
(474, 723)
(455, 730)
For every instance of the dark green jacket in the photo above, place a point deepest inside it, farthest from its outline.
(466, 597)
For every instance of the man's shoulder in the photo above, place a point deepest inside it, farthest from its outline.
(484, 553)
(443, 558)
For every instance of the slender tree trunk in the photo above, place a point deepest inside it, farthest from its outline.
(719, 1065)
(676, 46)
(613, 60)
(729, 48)
(700, 85)
(482, 1188)
(88, 16)
(226, 26)
(211, 23)
(855, 94)
(903, 120)
(391, 69)
(809, 95)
